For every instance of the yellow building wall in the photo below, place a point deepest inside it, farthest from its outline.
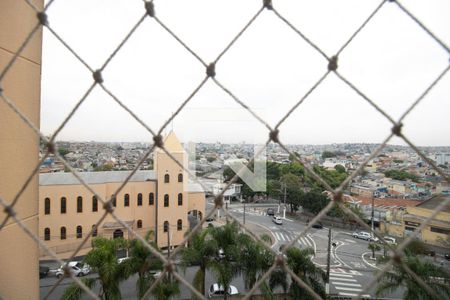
(197, 202)
(424, 212)
(19, 148)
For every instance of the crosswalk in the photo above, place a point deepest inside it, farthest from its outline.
(305, 241)
(250, 211)
(345, 282)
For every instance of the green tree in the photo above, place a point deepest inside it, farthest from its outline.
(374, 247)
(63, 151)
(401, 175)
(103, 260)
(415, 247)
(339, 168)
(437, 278)
(166, 288)
(201, 251)
(328, 154)
(299, 260)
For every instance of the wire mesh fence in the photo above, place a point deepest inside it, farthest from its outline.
(331, 65)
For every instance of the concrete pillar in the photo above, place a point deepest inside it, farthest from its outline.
(19, 278)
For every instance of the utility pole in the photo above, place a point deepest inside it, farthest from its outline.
(373, 212)
(168, 241)
(284, 208)
(244, 212)
(327, 283)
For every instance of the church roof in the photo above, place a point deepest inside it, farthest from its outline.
(172, 143)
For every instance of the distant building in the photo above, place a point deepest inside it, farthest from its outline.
(159, 200)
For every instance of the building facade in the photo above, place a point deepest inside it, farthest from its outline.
(158, 200)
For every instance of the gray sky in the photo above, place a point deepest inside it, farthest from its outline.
(269, 68)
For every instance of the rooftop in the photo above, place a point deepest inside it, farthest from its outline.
(434, 201)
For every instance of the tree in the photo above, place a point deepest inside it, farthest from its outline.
(401, 175)
(339, 168)
(415, 247)
(437, 278)
(374, 247)
(201, 251)
(328, 154)
(143, 262)
(102, 259)
(299, 260)
(63, 151)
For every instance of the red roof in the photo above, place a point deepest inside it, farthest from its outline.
(387, 201)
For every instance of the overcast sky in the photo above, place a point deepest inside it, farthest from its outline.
(269, 68)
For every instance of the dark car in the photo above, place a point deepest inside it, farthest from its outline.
(43, 271)
(270, 212)
(447, 256)
(317, 226)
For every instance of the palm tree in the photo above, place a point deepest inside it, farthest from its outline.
(299, 260)
(103, 260)
(278, 278)
(436, 277)
(201, 251)
(143, 262)
(166, 289)
(227, 267)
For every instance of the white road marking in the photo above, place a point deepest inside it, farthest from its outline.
(280, 237)
(346, 284)
(309, 243)
(341, 275)
(342, 279)
(347, 289)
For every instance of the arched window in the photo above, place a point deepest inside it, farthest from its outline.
(179, 225)
(94, 230)
(63, 205)
(166, 226)
(166, 200)
(47, 234)
(47, 206)
(139, 199)
(79, 232)
(166, 178)
(180, 177)
(139, 224)
(79, 204)
(180, 199)
(94, 203)
(114, 202)
(63, 233)
(151, 199)
(126, 200)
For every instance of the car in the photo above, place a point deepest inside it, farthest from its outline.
(447, 256)
(122, 259)
(390, 240)
(210, 219)
(76, 268)
(217, 290)
(270, 212)
(221, 254)
(431, 253)
(277, 220)
(43, 271)
(364, 236)
(317, 225)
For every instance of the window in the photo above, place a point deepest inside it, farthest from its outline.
(63, 205)
(139, 224)
(166, 200)
(114, 202)
(179, 225)
(180, 199)
(139, 199)
(166, 226)
(79, 204)
(94, 203)
(180, 177)
(126, 200)
(79, 232)
(63, 233)
(166, 178)
(439, 230)
(151, 199)
(47, 206)
(94, 230)
(47, 234)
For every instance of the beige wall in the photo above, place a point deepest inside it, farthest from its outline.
(71, 219)
(19, 149)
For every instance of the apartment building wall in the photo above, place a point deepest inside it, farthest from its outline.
(19, 148)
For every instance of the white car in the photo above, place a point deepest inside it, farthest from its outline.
(364, 236)
(76, 268)
(390, 240)
(217, 290)
(277, 220)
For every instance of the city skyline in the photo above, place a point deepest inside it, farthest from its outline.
(269, 68)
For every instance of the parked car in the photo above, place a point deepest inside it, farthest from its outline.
(76, 268)
(277, 220)
(317, 225)
(447, 256)
(120, 260)
(270, 212)
(217, 290)
(221, 254)
(43, 271)
(210, 219)
(390, 240)
(364, 236)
